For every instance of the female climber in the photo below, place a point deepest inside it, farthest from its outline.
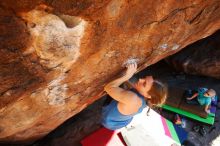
(127, 103)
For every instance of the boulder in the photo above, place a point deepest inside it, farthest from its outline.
(57, 55)
(200, 58)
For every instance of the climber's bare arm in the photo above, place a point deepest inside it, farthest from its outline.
(194, 96)
(207, 108)
(118, 93)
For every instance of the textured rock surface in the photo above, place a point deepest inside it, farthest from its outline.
(201, 58)
(57, 55)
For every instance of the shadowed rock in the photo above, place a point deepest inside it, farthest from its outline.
(200, 58)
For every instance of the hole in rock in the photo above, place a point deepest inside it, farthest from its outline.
(70, 21)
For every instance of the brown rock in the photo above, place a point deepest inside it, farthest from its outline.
(56, 56)
(200, 58)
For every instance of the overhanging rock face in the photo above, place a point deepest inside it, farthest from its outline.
(56, 56)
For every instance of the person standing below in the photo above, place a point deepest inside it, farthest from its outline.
(127, 103)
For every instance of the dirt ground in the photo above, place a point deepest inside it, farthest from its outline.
(72, 131)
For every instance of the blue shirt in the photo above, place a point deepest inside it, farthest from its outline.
(113, 119)
(203, 100)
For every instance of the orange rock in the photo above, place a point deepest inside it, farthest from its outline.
(56, 56)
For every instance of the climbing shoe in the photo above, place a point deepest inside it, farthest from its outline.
(212, 128)
(202, 131)
(196, 128)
